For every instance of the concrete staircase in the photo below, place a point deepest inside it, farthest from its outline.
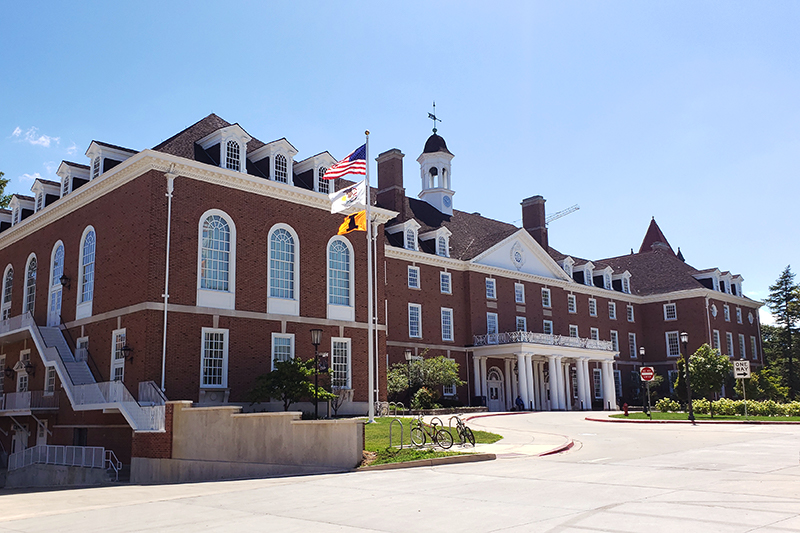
(78, 371)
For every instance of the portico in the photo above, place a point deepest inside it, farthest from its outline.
(548, 372)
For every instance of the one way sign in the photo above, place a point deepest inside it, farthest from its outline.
(741, 369)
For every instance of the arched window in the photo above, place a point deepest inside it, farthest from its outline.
(338, 273)
(232, 160)
(411, 239)
(445, 179)
(87, 267)
(8, 282)
(96, 167)
(55, 290)
(30, 285)
(441, 248)
(323, 185)
(58, 265)
(65, 186)
(281, 169)
(281, 264)
(215, 254)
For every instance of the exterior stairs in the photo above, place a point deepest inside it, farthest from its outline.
(79, 372)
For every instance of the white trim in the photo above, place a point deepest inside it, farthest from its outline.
(667, 307)
(592, 307)
(449, 282)
(25, 289)
(209, 297)
(633, 346)
(349, 343)
(449, 312)
(544, 326)
(675, 335)
(519, 289)
(524, 321)
(55, 285)
(416, 273)
(84, 309)
(572, 303)
(418, 307)
(114, 362)
(491, 282)
(274, 336)
(284, 306)
(547, 298)
(225, 342)
(6, 305)
(338, 311)
(612, 315)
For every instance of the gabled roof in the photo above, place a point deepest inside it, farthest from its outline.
(654, 236)
(75, 165)
(115, 147)
(48, 182)
(182, 144)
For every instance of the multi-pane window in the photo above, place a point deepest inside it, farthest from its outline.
(413, 277)
(447, 324)
(547, 327)
(612, 310)
(546, 302)
(490, 288)
(30, 286)
(65, 187)
(572, 305)
(630, 313)
(673, 345)
(411, 239)
(607, 281)
(118, 355)
(414, 320)
(441, 247)
(491, 323)
(715, 340)
(742, 347)
(96, 167)
(340, 363)
(519, 293)
(618, 383)
(215, 254)
(522, 323)
(87, 267)
(594, 334)
(573, 375)
(632, 345)
(214, 366)
(232, 156)
(39, 201)
(448, 390)
(753, 347)
(282, 348)
(338, 273)
(573, 330)
(614, 340)
(598, 384)
(670, 312)
(281, 171)
(8, 283)
(626, 286)
(281, 264)
(50, 381)
(22, 377)
(729, 342)
(739, 315)
(323, 185)
(587, 277)
(58, 265)
(592, 307)
(445, 283)
(726, 312)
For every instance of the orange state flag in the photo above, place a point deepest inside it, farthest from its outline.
(354, 222)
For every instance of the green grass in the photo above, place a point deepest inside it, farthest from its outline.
(377, 440)
(684, 416)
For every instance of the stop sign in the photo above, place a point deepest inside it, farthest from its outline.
(647, 373)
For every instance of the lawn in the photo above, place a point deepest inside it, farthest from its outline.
(684, 416)
(377, 441)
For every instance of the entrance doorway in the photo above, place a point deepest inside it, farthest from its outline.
(494, 385)
(20, 439)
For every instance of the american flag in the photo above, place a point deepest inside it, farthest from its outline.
(355, 163)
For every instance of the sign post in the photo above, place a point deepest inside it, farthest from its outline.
(646, 374)
(741, 370)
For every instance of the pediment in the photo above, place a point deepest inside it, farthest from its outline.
(521, 253)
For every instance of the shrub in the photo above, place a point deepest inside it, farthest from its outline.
(666, 405)
(726, 407)
(701, 406)
(424, 399)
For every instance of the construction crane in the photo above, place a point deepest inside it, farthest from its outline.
(562, 213)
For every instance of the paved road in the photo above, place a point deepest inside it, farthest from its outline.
(618, 477)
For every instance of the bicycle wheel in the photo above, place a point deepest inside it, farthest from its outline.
(417, 436)
(443, 438)
(470, 437)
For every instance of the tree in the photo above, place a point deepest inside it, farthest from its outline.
(404, 380)
(708, 369)
(763, 385)
(4, 198)
(291, 381)
(784, 303)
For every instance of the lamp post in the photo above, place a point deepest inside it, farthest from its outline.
(646, 383)
(685, 341)
(408, 356)
(316, 338)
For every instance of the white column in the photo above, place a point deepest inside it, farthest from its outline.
(536, 400)
(612, 386)
(542, 388)
(508, 400)
(562, 393)
(529, 382)
(567, 388)
(581, 383)
(514, 388)
(588, 383)
(608, 387)
(476, 363)
(553, 379)
(484, 386)
(522, 376)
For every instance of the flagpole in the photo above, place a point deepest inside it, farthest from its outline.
(371, 324)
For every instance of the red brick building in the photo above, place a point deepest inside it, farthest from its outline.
(185, 270)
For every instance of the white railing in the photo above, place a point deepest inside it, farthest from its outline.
(15, 322)
(150, 394)
(84, 456)
(113, 463)
(114, 394)
(511, 337)
(26, 401)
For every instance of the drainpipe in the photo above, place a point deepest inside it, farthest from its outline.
(171, 175)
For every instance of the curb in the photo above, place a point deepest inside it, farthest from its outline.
(436, 461)
(753, 422)
(558, 449)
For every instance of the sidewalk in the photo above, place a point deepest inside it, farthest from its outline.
(607, 418)
(515, 442)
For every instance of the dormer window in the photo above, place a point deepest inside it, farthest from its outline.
(14, 216)
(566, 264)
(39, 201)
(408, 234)
(607, 281)
(281, 173)
(323, 185)
(96, 167)
(441, 247)
(65, 186)
(626, 285)
(232, 160)
(411, 239)
(587, 276)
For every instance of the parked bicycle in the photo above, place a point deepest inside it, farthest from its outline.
(464, 433)
(421, 432)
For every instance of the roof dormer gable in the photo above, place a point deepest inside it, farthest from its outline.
(281, 159)
(441, 240)
(584, 273)
(621, 282)
(228, 147)
(710, 278)
(410, 228)
(103, 157)
(21, 207)
(520, 252)
(603, 277)
(314, 168)
(69, 172)
(44, 192)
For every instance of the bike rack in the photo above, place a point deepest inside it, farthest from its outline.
(433, 421)
(401, 432)
(397, 406)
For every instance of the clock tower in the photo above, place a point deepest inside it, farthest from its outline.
(435, 172)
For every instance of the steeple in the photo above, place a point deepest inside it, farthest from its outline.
(435, 171)
(654, 239)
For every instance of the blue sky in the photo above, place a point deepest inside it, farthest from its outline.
(686, 111)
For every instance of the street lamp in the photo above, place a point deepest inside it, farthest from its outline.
(646, 383)
(685, 341)
(316, 338)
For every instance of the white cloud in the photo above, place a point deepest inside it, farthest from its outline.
(32, 137)
(28, 178)
(765, 316)
(72, 149)
(51, 166)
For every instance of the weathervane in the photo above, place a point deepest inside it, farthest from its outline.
(432, 116)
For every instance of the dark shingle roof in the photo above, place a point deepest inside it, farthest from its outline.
(48, 182)
(182, 144)
(655, 272)
(114, 146)
(435, 143)
(76, 165)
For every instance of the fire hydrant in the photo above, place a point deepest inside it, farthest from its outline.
(625, 408)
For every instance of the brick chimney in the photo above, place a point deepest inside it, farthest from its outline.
(391, 194)
(533, 219)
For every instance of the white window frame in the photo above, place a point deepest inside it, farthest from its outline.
(739, 315)
(607, 281)
(285, 170)
(573, 331)
(273, 345)
(594, 334)
(349, 344)
(632, 345)
(49, 381)
(742, 346)
(729, 344)
(547, 324)
(29, 292)
(232, 147)
(413, 277)
(320, 181)
(491, 289)
(519, 293)
(597, 382)
(7, 294)
(225, 341)
(448, 390)
(492, 320)
(726, 312)
(630, 314)
(675, 335)
(211, 297)
(547, 301)
(447, 324)
(2, 367)
(626, 285)
(522, 321)
(615, 340)
(670, 312)
(117, 358)
(443, 246)
(612, 310)
(410, 238)
(754, 347)
(338, 311)
(572, 303)
(276, 304)
(54, 288)
(592, 307)
(96, 170)
(418, 309)
(449, 283)
(716, 341)
(23, 379)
